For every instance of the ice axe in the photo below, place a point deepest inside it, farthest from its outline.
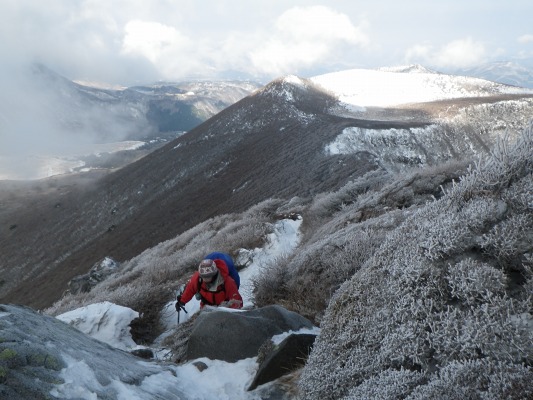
(179, 292)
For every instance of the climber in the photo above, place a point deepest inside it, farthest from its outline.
(212, 285)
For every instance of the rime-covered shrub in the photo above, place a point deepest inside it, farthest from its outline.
(327, 204)
(342, 230)
(447, 295)
(306, 281)
(390, 384)
(478, 379)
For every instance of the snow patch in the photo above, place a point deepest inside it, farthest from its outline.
(281, 242)
(277, 339)
(106, 322)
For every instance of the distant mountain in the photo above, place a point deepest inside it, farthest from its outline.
(48, 119)
(183, 105)
(293, 137)
(140, 112)
(507, 72)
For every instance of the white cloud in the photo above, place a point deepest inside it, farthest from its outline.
(304, 36)
(318, 23)
(460, 53)
(133, 41)
(418, 52)
(456, 54)
(299, 38)
(526, 39)
(173, 54)
(152, 39)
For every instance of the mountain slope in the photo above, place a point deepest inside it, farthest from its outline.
(228, 163)
(273, 143)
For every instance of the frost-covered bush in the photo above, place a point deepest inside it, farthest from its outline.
(306, 281)
(447, 298)
(477, 379)
(390, 384)
(342, 230)
(327, 204)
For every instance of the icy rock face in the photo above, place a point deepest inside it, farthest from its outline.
(35, 349)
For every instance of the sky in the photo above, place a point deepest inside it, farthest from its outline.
(126, 42)
(109, 323)
(122, 43)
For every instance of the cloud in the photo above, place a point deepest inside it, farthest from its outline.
(298, 38)
(303, 36)
(525, 39)
(152, 40)
(459, 53)
(171, 53)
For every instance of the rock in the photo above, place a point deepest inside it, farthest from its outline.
(201, 366)
(147, 354)
(232, 336)
(99, 272)
(289, 355)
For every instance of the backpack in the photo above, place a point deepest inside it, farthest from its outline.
(229, 262)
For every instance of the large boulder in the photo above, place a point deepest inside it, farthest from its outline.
(232, 336)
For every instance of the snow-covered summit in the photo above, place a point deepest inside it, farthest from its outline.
(388, 87)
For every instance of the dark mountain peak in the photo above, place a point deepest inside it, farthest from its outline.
(293, 94)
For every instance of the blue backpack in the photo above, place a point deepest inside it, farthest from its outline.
(229, 262)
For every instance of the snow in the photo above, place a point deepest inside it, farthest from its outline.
(105, 321)
(293, 79)
(277, 339)
(390, 87)
(109, 323)
(220, 380)
(281, 242)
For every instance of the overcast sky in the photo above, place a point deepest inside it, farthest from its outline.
(139, 41)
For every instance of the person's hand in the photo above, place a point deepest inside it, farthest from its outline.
(179, 304)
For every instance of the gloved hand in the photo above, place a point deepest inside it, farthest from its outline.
(179, 305)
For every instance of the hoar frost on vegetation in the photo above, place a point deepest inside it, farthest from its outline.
(443, 308)
(470, 131)
(388, 145)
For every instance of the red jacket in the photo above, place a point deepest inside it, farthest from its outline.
(226, 291)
